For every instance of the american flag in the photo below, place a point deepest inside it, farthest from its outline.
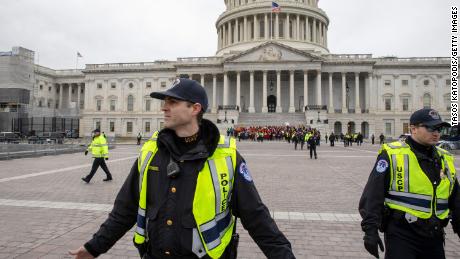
(275, 8)
(79, 55)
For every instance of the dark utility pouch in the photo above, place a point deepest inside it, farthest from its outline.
(231, 251)
(387, 215)
(142, 249)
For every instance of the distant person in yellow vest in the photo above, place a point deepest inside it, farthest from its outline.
(185, 190)
(411, 194)
(100, 152)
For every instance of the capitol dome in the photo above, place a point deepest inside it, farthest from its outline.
(245, 24)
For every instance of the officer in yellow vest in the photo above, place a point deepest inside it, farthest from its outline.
(411, 193)
(100, 152)
(185, 189)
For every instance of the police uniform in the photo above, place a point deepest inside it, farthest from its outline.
(183, 194)
(409, 196)
(100, 152)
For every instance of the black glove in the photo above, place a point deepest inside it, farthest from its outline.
(86, 152)
(106, 158)
(371, 241)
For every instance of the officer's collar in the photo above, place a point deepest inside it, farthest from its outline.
(425, 151)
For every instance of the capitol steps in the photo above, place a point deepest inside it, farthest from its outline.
(272, 119)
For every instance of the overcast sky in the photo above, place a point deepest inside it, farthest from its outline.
(116, 31)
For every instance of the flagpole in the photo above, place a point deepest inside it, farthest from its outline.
(76, 62)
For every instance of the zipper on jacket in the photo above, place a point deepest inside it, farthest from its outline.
(146, 230)
(433, 202)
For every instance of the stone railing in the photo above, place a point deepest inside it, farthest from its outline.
(315, 107)
(140, 65)
(348, 56)
(62, 72)
(392, 60)
(227, 107)
(199, 60)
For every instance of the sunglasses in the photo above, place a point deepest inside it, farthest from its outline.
(432, 129)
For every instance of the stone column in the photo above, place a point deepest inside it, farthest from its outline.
(305, 89)
(78, 96)
(277, 31)
(245, 29)
(229, 24)
(256, 28)
(236, 32)
(61, 95)
(357, 102)
(397, 87)
(219, 35)
(412, 104)
(264, 93)
(202, 80)
(70, 95)
(251, 92)
(291, 92)
(307, 30)
(325, 36)
(279, 109)
(371, 105)
(344, 93)
(266, 30)
(214, 93)
(314, 31)
(297, 34)
(224, 38)
(225, 95)
(318, 87)
(331, 94)
(140, 90)
(238, 90)
(287, 28)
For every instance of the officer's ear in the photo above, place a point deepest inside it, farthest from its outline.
(196, 109)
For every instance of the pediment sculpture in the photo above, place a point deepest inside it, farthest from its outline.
(271, 54)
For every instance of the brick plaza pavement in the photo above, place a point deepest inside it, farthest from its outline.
(45, 209)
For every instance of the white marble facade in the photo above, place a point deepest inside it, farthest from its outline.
(255, 71)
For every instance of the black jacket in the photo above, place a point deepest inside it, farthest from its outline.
(163, 204)
(371, 205)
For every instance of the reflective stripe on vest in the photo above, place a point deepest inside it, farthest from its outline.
(99, 147)
(147, 153)
(215, 183)
(417, 200)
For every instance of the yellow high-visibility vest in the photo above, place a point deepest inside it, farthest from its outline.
(211, 208)
(411, 190)
(99, 147)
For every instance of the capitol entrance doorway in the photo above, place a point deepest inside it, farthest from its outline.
(271, 103)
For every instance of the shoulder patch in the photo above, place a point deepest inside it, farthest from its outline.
(381, 166)
(244, 171)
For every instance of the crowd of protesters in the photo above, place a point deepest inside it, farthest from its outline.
(291, 134)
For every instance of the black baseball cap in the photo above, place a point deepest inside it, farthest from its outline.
(186, 90)
(97, 131)
(428, 117)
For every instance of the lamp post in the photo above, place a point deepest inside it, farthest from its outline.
(318, 118)
(225, 118)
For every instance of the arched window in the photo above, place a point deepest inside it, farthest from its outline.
(427, 100)
(130, 103)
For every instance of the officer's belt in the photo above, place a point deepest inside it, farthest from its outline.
(411, 219)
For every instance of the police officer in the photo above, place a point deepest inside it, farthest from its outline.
(411, 193)
(186, 188)
(100, 152)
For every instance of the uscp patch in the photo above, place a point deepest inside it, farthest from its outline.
(381, 166)
(244, 171)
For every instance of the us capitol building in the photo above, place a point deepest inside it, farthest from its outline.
(269, 69)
